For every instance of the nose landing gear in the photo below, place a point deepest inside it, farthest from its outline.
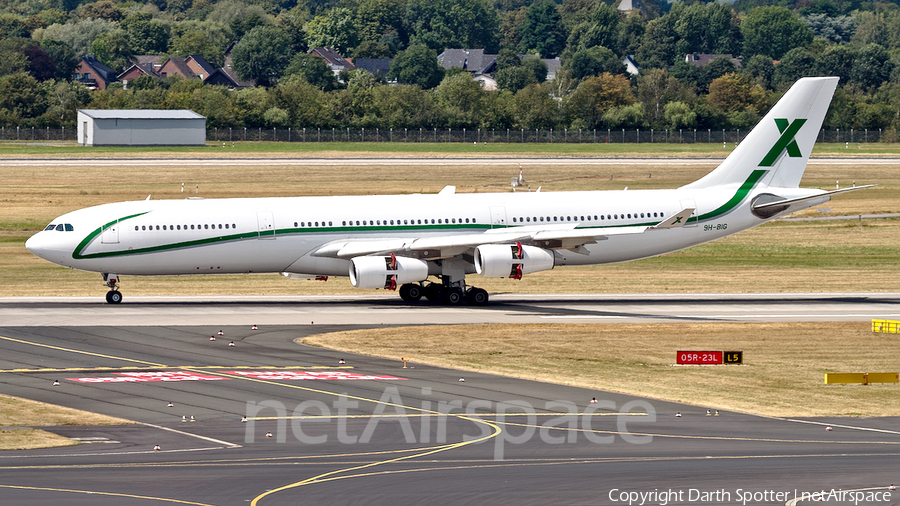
(113, 296)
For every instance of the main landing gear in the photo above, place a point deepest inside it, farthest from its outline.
(439, 292)
(113, 296)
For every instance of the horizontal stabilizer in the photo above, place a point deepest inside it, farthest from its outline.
(787, 202)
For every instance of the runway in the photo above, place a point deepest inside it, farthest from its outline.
(350, 429)
(371, 309)
(212, 160)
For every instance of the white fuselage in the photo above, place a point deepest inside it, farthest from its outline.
(197, 236)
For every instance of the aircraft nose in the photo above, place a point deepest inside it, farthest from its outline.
(43, 245)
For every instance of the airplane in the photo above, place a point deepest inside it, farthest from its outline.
(426, 244)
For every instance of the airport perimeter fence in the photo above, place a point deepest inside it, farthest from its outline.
(447, 135)
(521, 136)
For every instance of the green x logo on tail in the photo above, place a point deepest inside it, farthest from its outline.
(786, 141)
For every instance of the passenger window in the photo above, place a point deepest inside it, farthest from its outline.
(157, 227)
(206, 226)
(135, 228)
(164, 227)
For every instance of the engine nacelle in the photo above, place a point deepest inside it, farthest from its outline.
(386, 271)
(511, 260)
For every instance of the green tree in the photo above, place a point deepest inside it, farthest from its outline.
(312, 69)
(198, 42)
(145, 34)
(79, 36)
(760, 68)
(336, 29)
(534, 108)
(22, 96)
(593, 62)
(508, 59)
(836, 30)
(371, 49)
(304, 103)
(597, 94)
(796, 63)
(13, 26)
(871, 27)
(64, 58)
(837, 61)
(679, 115)
(656, 89)
(514, 78)
(871, 66)
(773, 31)
(631, 33)
(460, 98)
(542, 30)
(452, 23)
(737, 93)
(627, 116)
(378, 17)
(417, 65)
(658, 47)
(537, 67)
(101, 9)
(64, 98)
(113, 50)
(262, 55)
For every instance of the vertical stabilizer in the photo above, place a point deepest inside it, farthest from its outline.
(781, 142)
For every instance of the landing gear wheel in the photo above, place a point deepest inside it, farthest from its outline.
(113, 297)
(477, 297)
(410, 292)
(453, 297)
(434, 292)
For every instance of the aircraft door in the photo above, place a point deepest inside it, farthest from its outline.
(110, 234)
(266, 224)
(686, 203)
(498, 217)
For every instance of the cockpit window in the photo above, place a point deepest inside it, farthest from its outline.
(59, 228)
(69, 227)
(50, 227)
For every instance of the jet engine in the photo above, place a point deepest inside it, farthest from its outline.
(511, 260)
(387, 272)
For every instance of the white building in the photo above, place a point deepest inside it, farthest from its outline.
(135, 127)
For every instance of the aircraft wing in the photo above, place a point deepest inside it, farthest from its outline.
(561, 236)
